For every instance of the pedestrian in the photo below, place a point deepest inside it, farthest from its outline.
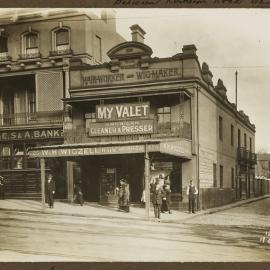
(166, 200)
(2, 188)
(123, 195)
(157, 195)
(50, 190)
(143, 199)
(78, 194)
(192, 192)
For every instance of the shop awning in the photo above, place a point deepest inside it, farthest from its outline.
(176, 147)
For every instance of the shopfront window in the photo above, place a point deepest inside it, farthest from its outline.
(18, 156)
(164, 118)
(5, 157)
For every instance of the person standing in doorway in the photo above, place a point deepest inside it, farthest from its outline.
(192, 192)
(2, 188)
(50, 190)
(166, 200)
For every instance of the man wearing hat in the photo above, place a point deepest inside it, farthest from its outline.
(192, 192)
(2, 188)
(50, 190)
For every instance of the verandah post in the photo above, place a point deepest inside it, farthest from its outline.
(42, 173)
(147, 185)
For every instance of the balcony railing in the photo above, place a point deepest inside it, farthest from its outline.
(81, 134)
(61, 52)
(44, 117)
(244, 156)
(32, 55)
(4, 57)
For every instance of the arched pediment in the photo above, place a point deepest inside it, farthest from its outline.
(130, 49)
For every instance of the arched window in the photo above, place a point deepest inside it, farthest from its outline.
(61, 40)
(30, 44)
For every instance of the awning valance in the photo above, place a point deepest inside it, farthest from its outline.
(179, 148)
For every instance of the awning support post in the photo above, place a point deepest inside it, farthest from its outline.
(42, 173)
(147, 184)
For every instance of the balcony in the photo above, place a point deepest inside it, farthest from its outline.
(29, 54)
(61, 52)
(246, 157)
(4, 57)
(45, 117)
(81, 134)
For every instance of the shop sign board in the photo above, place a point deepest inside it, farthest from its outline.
(46, 133)
(88, 151)
(91, 78)
(124, 111)
(180, 148)
(116, 128)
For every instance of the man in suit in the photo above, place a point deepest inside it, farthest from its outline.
(157, 195)
(50, 190)
(2, 188)
(192, 192)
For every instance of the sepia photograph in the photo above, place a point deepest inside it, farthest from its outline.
(134, 135)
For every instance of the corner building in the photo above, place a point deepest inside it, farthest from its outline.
(36, 50)
(138, 116)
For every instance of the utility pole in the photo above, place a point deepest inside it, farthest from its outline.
(147, 184)
(236, 73)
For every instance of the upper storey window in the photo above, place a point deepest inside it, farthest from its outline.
(3, 45)
(61, 41)
(30, 45)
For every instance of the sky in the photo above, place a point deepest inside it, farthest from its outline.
(226, 39)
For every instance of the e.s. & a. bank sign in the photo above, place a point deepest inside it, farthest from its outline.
(122, 119)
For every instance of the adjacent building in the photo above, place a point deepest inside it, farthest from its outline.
(262, 174)
(138, 116)
(36, 50)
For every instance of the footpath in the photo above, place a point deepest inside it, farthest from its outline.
(97, 211)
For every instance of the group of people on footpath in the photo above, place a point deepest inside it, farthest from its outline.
(160, 194)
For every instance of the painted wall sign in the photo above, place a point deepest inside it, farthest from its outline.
(122, 111)
(31, 134)
(181, 148)
(93, 78)
(121, 128)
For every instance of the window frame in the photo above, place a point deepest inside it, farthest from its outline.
(24, 47)
(6, 45)
(221, 176)
(54, 31)
(220, 128)
(232, 135)
(214, 175)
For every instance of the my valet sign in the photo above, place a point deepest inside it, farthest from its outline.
(122, 119)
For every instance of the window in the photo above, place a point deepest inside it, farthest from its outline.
(30, 45)
(31, 102)
(164, 117)
(220, 125)
(61, 40)
(90, 118)
(221, 176)
(245, 140)
(3, 45)
(99, 48)
(214, 175)
(239, 138)
(232, 177)
(232, 135)
(250, 144)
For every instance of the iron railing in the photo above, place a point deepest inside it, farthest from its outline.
(244, 156)
(44, 117)
(81, 134)
(61, 52)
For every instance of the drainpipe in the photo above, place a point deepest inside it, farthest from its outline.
(198, 151)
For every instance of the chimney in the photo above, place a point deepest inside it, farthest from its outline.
(137, 33)
(189, 49)
(109, 17)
